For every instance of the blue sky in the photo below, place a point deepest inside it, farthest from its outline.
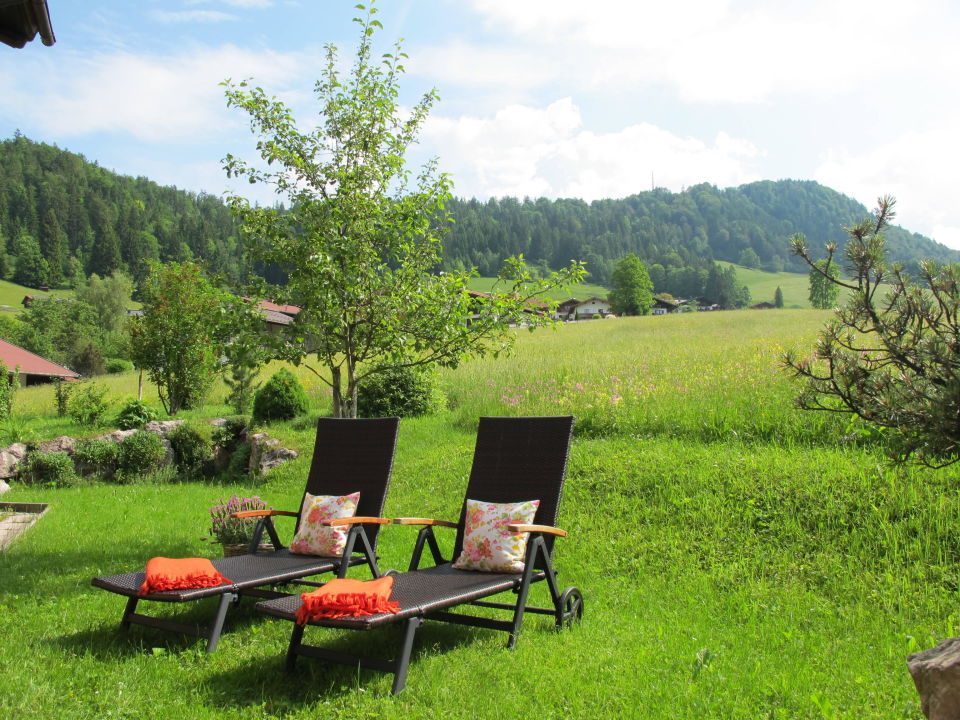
(539, 97)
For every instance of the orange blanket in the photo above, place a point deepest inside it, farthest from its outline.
(180, 574)
(343, 597)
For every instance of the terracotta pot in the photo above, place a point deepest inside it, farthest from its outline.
(241, 549)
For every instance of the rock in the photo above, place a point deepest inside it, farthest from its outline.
(936, 673)
(117, 436)
(3, 487)
(62, 444)
(10, 458)
(266, 453)
(18, 450)
(219, 422)
(162, 427)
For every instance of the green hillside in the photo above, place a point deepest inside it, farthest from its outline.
(763, 286)
(582, 291)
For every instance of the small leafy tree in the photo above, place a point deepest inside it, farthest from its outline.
(87, 403)
(824, 290)
(244, 351)
(177, 339)
(9, 382)
(890, 353)
(632, 290)
(361, 241)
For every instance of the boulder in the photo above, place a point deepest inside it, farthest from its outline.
(162, 427)
(117, 436)
(266, 453)
(10, 458)
(169, 455)
(62, 444)
(936, 673)
(3, 487)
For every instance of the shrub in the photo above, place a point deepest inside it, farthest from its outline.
(140, 454)
(118, 365)
(53, 469)
(86, 404)
(190, 449)
(281, 398)
(9, 382)
(61, 396)
(233, 432)
(97, 457)
(135, 414)
(402, 392)
(239, 466)
(88, 360)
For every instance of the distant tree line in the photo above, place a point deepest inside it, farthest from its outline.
(63, 218)
(676, 235)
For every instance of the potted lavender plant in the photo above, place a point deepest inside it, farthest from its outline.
(235, 534)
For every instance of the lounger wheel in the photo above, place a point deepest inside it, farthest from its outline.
(569, 608)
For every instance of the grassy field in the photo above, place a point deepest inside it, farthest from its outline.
(739, 558)
(583, 291)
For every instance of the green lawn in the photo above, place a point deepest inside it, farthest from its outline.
(583, 291)
(739, 558)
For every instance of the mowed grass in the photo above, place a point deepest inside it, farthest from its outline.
(739, 559)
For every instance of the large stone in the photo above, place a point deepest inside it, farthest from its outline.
(62, 444)
(936, 673)
(10, 458)
(162, 427)
(117, 436)
(3, 487)
(266, 453)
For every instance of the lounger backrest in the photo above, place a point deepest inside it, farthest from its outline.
(517, 459)
(352, 455)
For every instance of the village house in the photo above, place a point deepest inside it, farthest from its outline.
(589, 308)
(33, 368)
(662, 306)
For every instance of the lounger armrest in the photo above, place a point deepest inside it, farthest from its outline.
(357, 520)
(263, 513)
(424, 521)
(514, 527)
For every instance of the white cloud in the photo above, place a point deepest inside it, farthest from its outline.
(918, 168)
(155, 98)
(705, 50)
(527, 151)
(191, 16)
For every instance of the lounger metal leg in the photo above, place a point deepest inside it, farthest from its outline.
(131, 607)
(295, 637)
(217, 627)
(403, 659)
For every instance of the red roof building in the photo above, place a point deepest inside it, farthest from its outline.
(31, 366)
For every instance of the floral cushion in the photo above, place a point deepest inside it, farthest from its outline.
(487, 544)
(312, 537)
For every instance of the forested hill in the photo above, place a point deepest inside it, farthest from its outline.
(61, 215)
(749, 225)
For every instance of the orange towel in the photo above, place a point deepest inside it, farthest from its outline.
(343, 597)
(180, 574)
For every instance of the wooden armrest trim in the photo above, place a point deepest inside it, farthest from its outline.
(513, 527)
(424, 521)
(357, 520)
(263, 513)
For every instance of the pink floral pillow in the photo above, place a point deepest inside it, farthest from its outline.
(487, 544)
(312, 538)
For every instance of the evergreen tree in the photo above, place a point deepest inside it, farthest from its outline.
(778, 298)
(32, 269)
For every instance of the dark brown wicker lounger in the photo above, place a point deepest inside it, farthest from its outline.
(349, 456)
(516, 459)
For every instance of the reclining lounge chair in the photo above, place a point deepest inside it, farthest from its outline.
(516, 460)
(349, 456)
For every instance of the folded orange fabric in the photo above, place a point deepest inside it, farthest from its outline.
(180, 574)
(343, 597)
